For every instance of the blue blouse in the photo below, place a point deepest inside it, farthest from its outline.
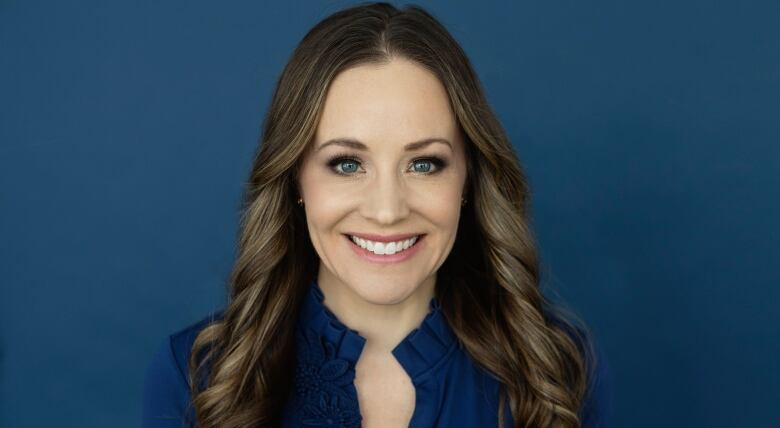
(451, 390)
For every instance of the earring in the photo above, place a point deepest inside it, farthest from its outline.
(462, 201)
(300, 201)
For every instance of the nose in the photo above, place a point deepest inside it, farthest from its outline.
(385, 202)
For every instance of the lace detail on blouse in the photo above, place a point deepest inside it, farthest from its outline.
(324, 383)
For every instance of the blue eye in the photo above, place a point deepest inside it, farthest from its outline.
(423, 162)
(350, 164)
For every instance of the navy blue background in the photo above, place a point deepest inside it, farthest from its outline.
(649, 131)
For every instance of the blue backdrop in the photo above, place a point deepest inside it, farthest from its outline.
(649, 131)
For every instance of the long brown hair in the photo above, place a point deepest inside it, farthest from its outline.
(488, 286)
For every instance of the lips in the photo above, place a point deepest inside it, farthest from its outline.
(397, 257)
(384, 238)
(398, 245)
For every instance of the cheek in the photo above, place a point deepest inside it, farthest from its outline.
(441, 207)
(322, 213)
(324, 210)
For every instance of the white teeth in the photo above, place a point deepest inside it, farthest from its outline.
(382, 248)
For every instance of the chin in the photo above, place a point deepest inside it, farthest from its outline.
(379, 289)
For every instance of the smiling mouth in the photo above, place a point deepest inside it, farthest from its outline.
(416, 241)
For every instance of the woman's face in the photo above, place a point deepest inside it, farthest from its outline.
(380, 187)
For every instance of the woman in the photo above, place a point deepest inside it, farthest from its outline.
(402, 289)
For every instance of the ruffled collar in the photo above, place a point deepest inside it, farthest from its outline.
(328, 350)
(419, 351)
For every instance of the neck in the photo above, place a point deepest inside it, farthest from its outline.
(383, 326)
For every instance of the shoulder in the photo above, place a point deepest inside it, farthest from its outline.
(166, 391)
(182, 340)
(596, 410)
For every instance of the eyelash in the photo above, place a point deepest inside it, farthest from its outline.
(335, 160)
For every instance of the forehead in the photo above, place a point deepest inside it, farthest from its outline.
(396, 102)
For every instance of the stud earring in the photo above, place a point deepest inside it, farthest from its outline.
(300, 201)
(462, 201)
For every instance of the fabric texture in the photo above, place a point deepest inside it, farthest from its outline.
(451, 390)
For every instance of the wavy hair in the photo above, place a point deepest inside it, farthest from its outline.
(241, 366)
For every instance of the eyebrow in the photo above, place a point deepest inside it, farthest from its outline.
(357, 145)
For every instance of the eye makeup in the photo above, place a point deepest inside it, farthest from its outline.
(333, 161)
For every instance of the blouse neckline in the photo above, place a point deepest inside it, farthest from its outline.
(421, 350)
